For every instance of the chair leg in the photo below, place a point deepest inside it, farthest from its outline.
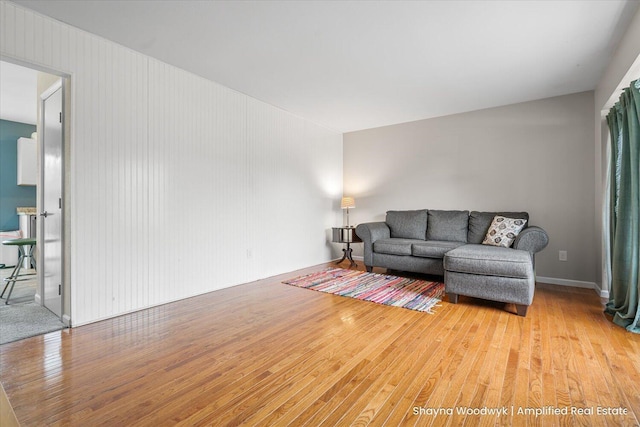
(453, 298)
(10, 290)
(369, 268)
(6, 285)
(32, 258)
(14, 276)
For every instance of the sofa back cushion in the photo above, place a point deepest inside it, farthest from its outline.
(407, 224)
(448, 225)
(479, 223)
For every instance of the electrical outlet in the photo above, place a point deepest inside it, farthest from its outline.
(562, 255)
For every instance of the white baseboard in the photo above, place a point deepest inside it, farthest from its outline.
(602, 292)
(574, 283)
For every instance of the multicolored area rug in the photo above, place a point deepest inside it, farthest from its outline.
(413, 294)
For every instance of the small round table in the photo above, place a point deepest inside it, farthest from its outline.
(27, 253)
(346, 235)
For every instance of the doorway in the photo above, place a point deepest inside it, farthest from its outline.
(50, 96)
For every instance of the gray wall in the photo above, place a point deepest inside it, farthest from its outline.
(535, 156)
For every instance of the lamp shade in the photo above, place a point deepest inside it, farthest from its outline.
(347, 202)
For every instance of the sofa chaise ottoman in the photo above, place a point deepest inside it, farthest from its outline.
(449, 244)
(489, 272)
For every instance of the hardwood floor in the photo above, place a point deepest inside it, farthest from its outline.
(266, 353)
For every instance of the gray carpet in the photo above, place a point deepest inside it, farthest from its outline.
(23, 320)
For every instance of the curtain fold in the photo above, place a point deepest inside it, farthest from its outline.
(624, 209)
(606, 218)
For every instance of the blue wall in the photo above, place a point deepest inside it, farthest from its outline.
(11, 194)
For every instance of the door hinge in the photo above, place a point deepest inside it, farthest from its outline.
(60, 116)
(59, 202)
(59, 289)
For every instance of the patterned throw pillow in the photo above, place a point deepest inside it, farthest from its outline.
(503, 231)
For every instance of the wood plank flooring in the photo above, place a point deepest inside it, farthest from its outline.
(266, 353)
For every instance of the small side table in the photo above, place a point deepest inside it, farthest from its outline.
(346, 235)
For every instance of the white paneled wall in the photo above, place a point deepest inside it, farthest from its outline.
(178, 185)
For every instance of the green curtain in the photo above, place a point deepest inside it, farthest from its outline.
(624, 205)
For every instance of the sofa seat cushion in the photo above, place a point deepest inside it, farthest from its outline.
(394, 246)
(489, 261)
(433, 248)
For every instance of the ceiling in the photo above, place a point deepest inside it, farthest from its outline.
(351, 65)
(18, 93)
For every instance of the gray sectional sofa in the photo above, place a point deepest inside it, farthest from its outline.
(449, 244)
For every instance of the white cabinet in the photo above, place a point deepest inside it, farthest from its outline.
(27, 161)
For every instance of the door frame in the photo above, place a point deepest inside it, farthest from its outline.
(67, 182)
(58, 85)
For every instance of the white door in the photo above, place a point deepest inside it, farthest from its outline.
(51, 214)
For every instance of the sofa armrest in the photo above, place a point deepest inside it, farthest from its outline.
(532, 239)
(369, 232)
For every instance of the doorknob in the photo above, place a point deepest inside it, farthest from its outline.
(44, 214)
